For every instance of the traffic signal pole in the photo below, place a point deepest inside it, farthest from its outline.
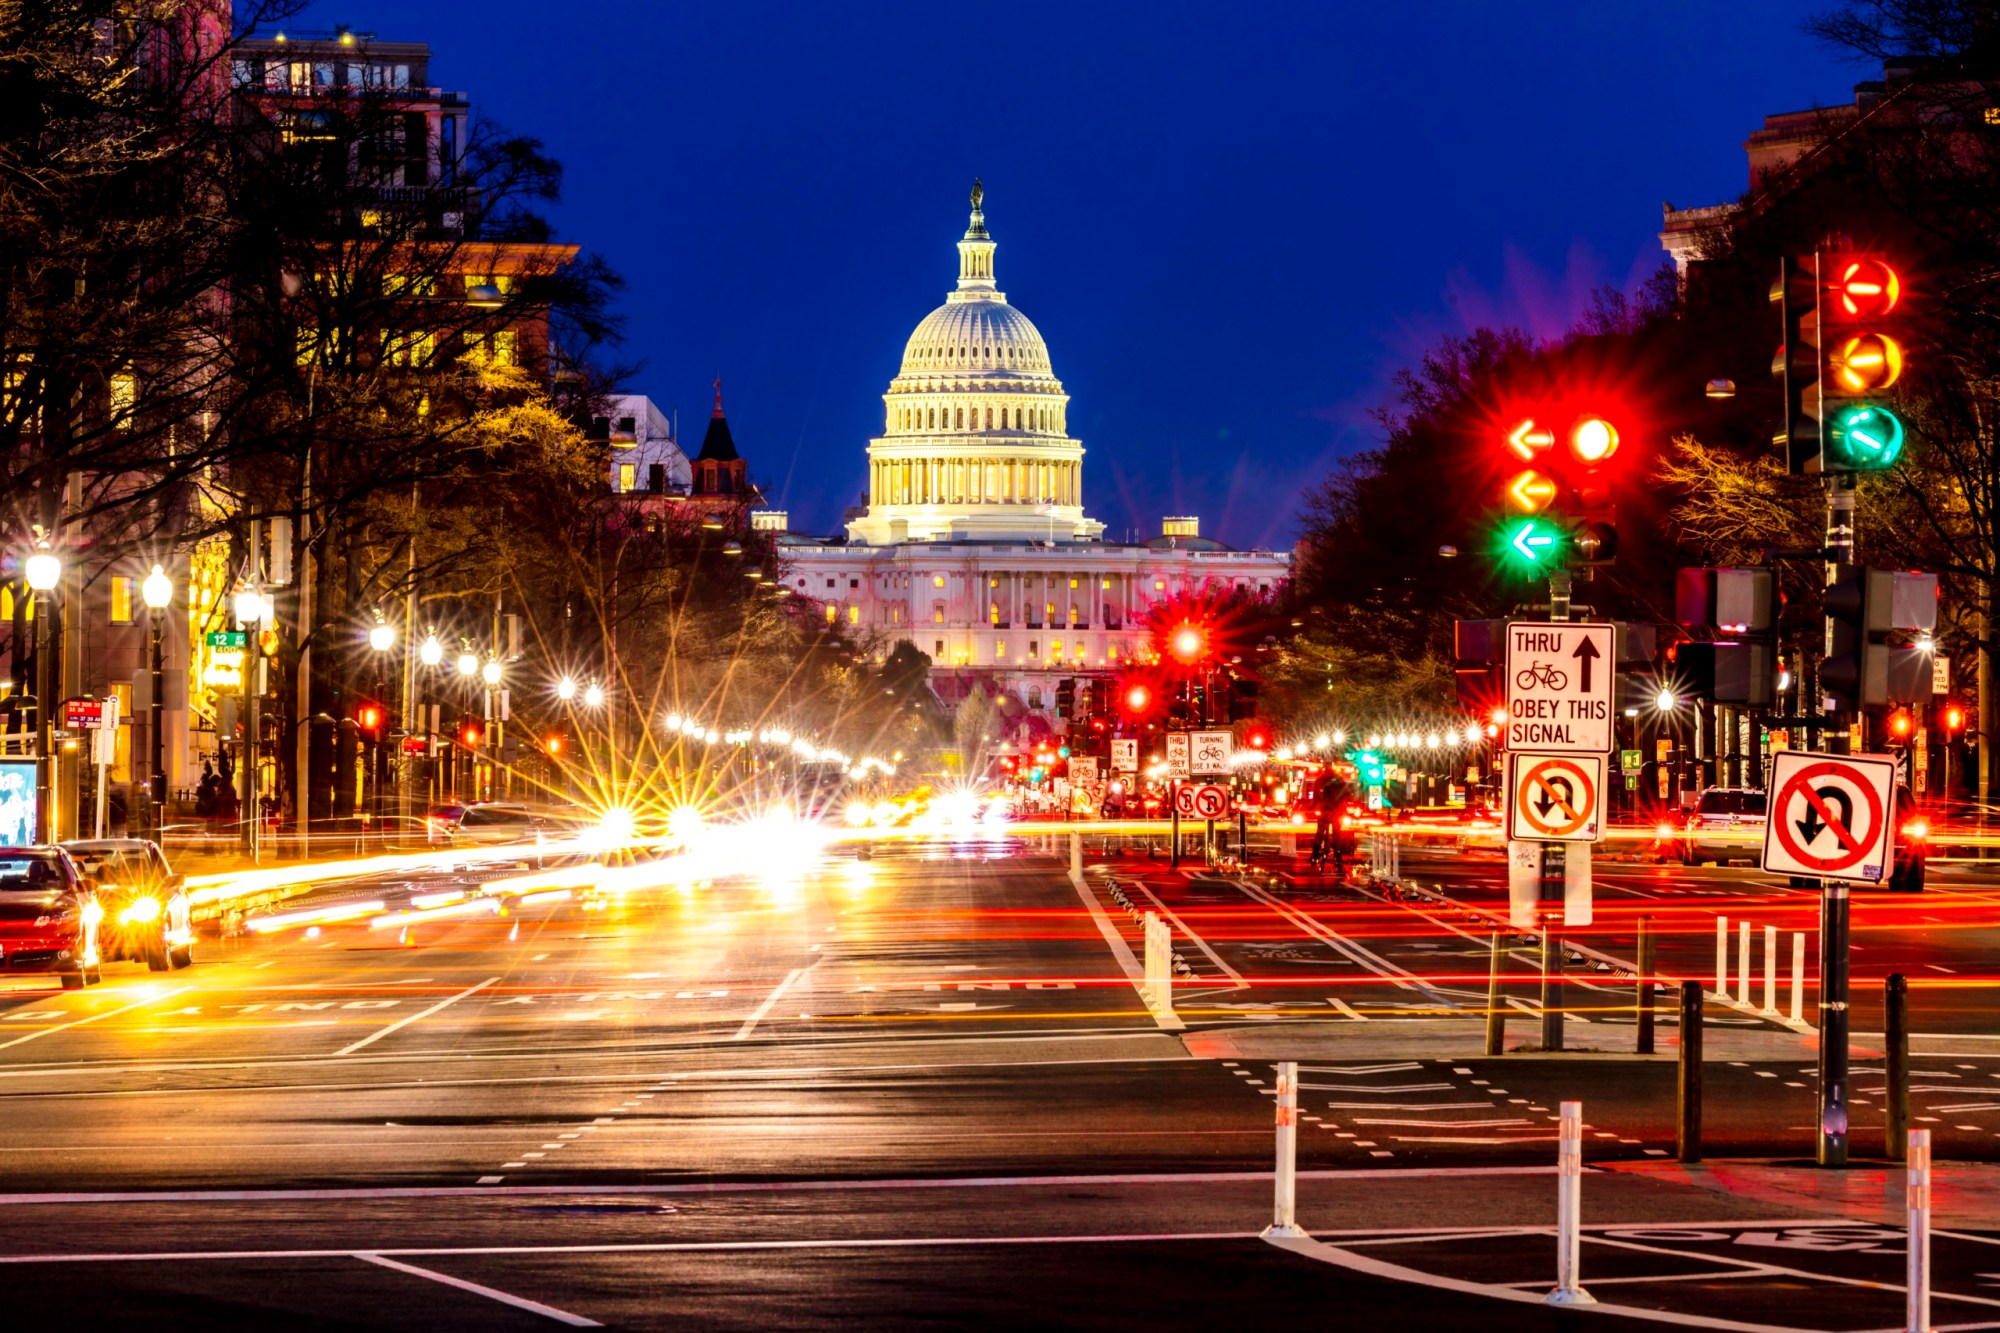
(1554, 875)
(1834, 906)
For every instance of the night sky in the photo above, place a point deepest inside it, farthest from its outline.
(1231, 223)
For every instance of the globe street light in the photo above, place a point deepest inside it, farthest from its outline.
(490, 673)
(43, 571)
(594, 696)
(158, 593)
(382, 637)
(431, 652)
(566, 689)
(468, 664)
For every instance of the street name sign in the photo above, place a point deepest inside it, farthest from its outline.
(1179, 759)
(1125, 756)
(1559, 681)
(236, 639)
(1209, 752)
(1831, 816)
(1555, 797)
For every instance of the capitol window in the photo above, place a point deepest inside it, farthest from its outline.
(937, 580)
(999, 650)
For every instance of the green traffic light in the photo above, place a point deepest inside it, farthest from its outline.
(1864, 438)
(1063, 750)
(1532, 544)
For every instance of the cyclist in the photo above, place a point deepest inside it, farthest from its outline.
(1334, 794)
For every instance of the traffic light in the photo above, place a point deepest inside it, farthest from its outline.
(552, 745)
(268, 642)
(1066, 697)
(368, 717)
(1855, 672)
(1138, 700)
(1954, 721)
(1734, 614)
(1188, 643)
(1901, 724)
(1242, 699)
(470, 734)
(1860, 359)
(1532, 546)
(1796, 365)
(1258, 737)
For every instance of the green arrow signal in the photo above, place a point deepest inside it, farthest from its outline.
(1531, 542)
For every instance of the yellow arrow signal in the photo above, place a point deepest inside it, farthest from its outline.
(1531, 492)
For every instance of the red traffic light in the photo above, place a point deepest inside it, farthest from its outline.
(369, 717)
(1188, 643)
(553, 745)
(1865, 286)
(469, 736)
(1258, 738)
(1593, 440)
(1901, 724)
(1954, 719)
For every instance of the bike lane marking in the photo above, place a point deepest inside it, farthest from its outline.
(402, 1023)
(92, 1018)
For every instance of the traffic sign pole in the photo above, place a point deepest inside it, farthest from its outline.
(1833, 923)
(1553, 876)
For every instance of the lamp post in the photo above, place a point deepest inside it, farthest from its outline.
(381, 638)
(253, 611)
(158, 592)
(490, 674)
(468, 667)
(44, 571)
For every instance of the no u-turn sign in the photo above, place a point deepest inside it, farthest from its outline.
(1831, 816)
(1555, 797)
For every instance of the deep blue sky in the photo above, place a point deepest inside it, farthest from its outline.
(1231, 223)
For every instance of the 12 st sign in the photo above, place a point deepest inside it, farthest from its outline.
(1559, 680)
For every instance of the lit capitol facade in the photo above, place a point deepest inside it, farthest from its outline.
(975, 546)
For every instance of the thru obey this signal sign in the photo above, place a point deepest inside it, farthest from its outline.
(1831, 816)
(1559, 678)
(1555, 797)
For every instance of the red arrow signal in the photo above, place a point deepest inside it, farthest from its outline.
(1527, 439)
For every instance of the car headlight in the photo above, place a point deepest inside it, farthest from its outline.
(140, 909)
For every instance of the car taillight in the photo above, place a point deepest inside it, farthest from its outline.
(1917, 830)
(1664, 829)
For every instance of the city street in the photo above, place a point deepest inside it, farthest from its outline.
(932, 1071)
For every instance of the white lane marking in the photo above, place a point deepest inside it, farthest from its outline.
(783, 1186)
(1200, 943)
(777, 993)
(1398, 1087)
(1361, 1263)
(505, 1298)
(1409, 1106)
(1347, 1010)
(1122, 952)
(109, 1013)
(402, 1023)
(1374, 962)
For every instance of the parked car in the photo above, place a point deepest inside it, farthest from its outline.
(146, 913)
(503, 823)
(49, 916)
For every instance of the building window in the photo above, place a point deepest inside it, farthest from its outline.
(854, 583)
(831, 612)
(1049, 612)
(1034, 696)
(999, 650)
(124, 398)
(628, 476)
(853, 615)
(1055, 651)
(937, 613)
(937, 580)
(829, 583)
(1034, 647)
(939, 654)
(1072, 585)
(1159, 585)
(121, 600)
(993, 613)
(1105, 584)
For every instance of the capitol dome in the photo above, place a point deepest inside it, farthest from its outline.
(975, 442)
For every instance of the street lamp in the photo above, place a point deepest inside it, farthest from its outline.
(490, 673)
(566, 689)
(382, 637)
(431, 652)
(43, 572)
(468, 664)
(594, 695)
(158, 593)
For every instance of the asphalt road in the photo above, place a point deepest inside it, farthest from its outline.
(925, 1091)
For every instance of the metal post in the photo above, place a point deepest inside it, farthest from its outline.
(246, 754)
(1496, 1018)
(1687, 1120)
(1569, 1208)
(1832, 1146)
(1644, 1045)
(1243, 836)
(1284, 1212)
(1722, 957)
(1743, 992)
(1917, 1185)
(45, 707)
(1798, 977)
(1076, 855)
(1174, 809)
(156, 781)
(1552, 946)
(1896, 1048)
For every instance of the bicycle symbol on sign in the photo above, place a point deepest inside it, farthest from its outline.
(1543, 674)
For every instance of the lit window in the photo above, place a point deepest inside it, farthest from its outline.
(121, 600)
(412, 349)
(832, 612)
(124, 398)
(500, 282)
(999, 650)
(1055, 650)
(937, 580)
(1049, 611)
(1072, 585)
(1105, 584)
(1159, 585)
(993, 614)
(854, 615)
(937, 613)
(628, 476)
(503, 348)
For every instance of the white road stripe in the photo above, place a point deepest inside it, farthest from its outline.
(770, 1001)
(518, 1302)
(1199, 942)
(402, 1023)
(109, 1013)
(1122, 952)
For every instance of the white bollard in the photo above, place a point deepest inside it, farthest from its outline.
(1743, 992)
(1076, 854)
(1284, 1211)
(1722, 957)
(1770, 1009)
(1569, 1208)
(1918, 1189)
(1798, 976)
